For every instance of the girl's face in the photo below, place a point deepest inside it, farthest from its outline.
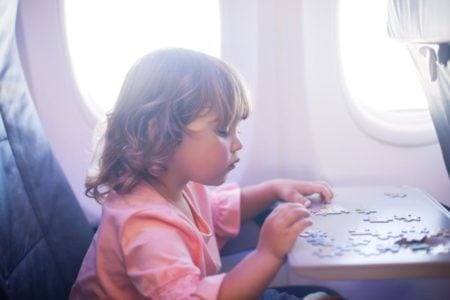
(207, 153)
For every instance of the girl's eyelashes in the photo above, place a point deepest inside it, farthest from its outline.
(226, 132)
(223, 132)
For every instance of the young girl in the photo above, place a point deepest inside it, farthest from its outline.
(173, 131)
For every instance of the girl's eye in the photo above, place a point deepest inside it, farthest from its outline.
(223, 132)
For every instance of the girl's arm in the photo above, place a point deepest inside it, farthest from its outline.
(250, 277)
(253, 274)
(256, 198)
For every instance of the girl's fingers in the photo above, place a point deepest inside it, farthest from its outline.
(289, 213)
(302, 190)
(325, 191)
(299, 198)
(322, 189)
(301, 225)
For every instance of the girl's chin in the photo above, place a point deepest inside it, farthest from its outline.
(216, 181)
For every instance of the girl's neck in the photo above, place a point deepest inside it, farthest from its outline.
(170, 191)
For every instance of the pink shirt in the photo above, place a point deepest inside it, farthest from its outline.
(146, 248)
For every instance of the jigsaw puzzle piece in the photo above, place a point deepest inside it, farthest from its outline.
(378, 219)
(396, 195)
(365, 211)
(329, 209)
(359, 231)
(327, 252)
(313, 233)
(320, 241)
(419, 247)
(440, 249)
(358, 241)
(387, 235)
(368, 251)
(388, 247)
(407, 218)
(444, 232)
(317, 237)
(412, 237)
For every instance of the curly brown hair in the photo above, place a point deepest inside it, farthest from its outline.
(162, 93)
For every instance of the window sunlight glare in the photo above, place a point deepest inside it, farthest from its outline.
(105, 37)
(379, 71)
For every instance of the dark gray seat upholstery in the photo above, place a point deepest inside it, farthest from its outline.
(43, 231)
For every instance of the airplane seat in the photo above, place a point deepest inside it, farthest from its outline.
(43, 231)
(425, 28)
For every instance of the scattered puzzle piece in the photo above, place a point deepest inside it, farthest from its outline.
(368, 251)
(440, 249)
(314, 197)
(358, 241)
(317, 238)
(378, 219)
(388, 247)
(327, 252)
(313, 233)
(411, 238)
(395, 195)
(329, 209)
(320, 241)
(365, 211)
(365, 231)
(444, 232)
(419, 247)
(425, 230)
(388, 235)
(344, 247)
(407, 218)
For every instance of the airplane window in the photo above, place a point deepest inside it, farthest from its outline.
(106, 37)
(378, 71)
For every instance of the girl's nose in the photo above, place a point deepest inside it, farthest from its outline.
(236, 144)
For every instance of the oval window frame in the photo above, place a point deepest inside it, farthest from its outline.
(412, 128)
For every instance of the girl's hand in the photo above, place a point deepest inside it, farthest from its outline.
(295, 190)
(281, 228)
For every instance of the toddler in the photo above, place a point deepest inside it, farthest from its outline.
(173, 131)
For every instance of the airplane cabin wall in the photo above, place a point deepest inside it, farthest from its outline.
(300, 126)
(348, 155)
(277, 139)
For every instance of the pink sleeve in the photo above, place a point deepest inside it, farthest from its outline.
(159, 260)
(226, 212)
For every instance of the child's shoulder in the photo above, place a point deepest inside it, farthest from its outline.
(141, 195)
(144, 199)
(143, 209)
